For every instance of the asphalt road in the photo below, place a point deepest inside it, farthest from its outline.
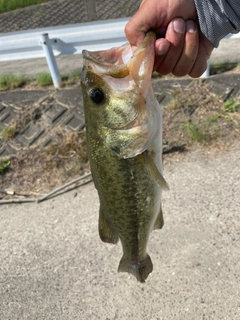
(53, 265)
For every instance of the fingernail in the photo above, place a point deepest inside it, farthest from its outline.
(190, 26)
(179, 25)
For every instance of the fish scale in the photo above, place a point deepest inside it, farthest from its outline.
(124, 143)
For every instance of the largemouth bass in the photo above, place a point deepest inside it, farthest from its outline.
(124, 142)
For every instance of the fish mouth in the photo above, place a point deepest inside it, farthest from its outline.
(99, 63)
(111, 57)
(134, 131)
(119, 62)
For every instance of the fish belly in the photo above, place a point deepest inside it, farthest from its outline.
(130, 203)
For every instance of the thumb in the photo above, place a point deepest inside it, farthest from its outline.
(144, 20)
(135, 31)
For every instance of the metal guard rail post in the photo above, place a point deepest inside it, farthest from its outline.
(51, 61)
(62, 40)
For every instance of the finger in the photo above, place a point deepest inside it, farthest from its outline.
(204, 52)
(134, 34)
(199, 67)
(161, 48)
(175, 35)
(190, 50)
(141, 23)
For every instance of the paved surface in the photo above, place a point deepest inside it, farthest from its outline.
(37, 114)
(53, 265)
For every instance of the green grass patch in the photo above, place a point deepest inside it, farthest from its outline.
(203, 132)
(44, 79)
(231, 105)
(71, 79)
(8, 5)
(4, 165)
(8, 133)
(213, 119)
(10, 81)
(218, 68)
(194, 132)
(75, 75)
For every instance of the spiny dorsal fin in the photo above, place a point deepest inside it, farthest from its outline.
(155, 174)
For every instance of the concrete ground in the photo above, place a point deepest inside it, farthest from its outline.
(54, 266)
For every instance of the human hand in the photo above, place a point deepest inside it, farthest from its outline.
(184, 50)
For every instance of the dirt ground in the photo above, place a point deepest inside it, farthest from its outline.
(190, 121)
(53, 264)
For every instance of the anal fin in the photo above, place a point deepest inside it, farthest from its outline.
(159, 222)
(140, 269)
(106, 232)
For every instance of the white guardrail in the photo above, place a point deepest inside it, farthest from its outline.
(64, 40)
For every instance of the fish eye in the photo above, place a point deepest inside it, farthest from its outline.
(97, 95)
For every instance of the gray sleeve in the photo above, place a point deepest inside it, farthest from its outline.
(217, 18)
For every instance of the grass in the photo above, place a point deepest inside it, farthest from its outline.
(10, 81)
(231, 105)
(4, 165)
(37, 170)
(194, 132)
(44, 79)
(201, 132)
(69, 152)
(200, 118)
(218, 68)
(8, 5)
(8, 133)
(71, 79)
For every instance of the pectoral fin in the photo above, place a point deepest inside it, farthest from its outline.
(154, 173)
(125, 143)
(159, 222)
(106, 232)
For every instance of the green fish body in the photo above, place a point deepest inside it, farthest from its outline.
(124, 143)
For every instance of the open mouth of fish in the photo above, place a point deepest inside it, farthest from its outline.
(126, 75)
(118, 62)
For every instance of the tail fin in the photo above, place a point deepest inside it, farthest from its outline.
(140, 269)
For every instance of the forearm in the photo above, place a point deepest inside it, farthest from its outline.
(217, 18)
